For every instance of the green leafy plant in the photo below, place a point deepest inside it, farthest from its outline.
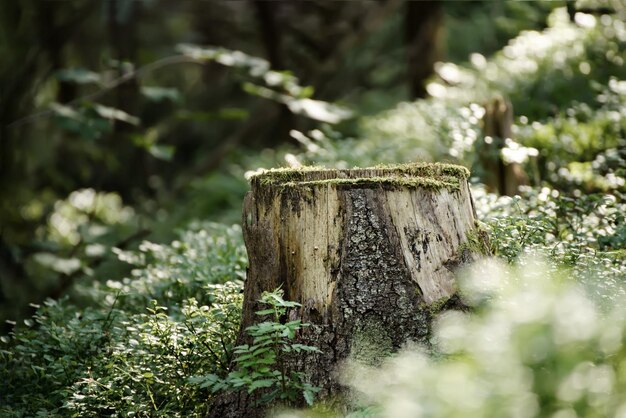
(264, 364)
(132, 352)
(205, 253)
(583, 233)
(145, 367)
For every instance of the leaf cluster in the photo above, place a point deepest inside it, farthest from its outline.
(128, 354)
(264, 364)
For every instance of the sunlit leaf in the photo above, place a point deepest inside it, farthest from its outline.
(162, 152)
(319, 110)
(79, 76)
(117, 114)
(159, 94)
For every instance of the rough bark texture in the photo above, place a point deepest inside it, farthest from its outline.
(369, 253)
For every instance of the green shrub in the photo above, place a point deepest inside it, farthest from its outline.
(145, 369)
(543, 71)
(584, 233)
(581, 146)
(264, 364)
(133, 351)
(205, 253)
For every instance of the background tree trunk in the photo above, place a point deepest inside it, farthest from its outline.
(499, 176)
(369, 253)
(423, 27)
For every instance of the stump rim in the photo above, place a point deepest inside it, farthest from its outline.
(410, 175)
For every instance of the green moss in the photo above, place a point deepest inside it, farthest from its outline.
(384, 182)
(428, 169)
(437, 306)
(286, 174)
(476, 241)
(413, 175)
(370, 343)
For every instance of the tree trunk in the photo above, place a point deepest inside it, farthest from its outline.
(423, 27)
(499, 176)
(369, 253)
(271, 36)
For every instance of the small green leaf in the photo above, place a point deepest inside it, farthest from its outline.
(265, 312)
(78, 76)
(159, 94)
(162, 152)
(244, 357)
(261, 351)
(309, 397)
(264, 383)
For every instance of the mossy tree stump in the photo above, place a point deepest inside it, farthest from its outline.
(369, 253)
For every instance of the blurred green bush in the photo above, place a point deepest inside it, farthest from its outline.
(535, 346)
(133, 350)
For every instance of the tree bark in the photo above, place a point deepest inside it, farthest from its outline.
(423, 25)
(271, 36)
(499, 176)
(130, 169)
(369, 253)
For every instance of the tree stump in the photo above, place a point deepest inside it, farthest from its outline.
(369, 253)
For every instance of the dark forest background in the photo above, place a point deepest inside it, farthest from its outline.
(100, 95)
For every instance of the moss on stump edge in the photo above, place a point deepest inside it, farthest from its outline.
(412, 175)
(476, 241)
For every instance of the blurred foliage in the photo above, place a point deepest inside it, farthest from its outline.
(583, 145)
(568, 61)
(204, 253)
(75, 241)
(540, 72)
(535, 346)
(585, 234)
(133, 350)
